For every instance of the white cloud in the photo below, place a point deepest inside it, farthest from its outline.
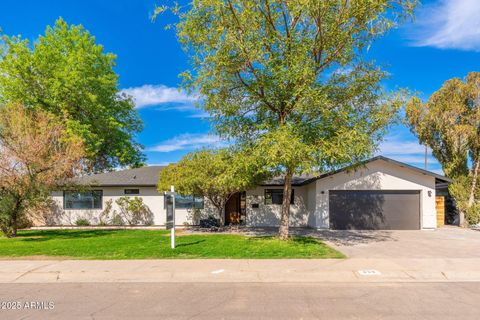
(418, 160)
(408, 151)
(396, 146)
(153, 95)
(449, 24)
(188, 141)
(201, 115)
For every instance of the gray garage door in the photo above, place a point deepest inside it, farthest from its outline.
(374, 210)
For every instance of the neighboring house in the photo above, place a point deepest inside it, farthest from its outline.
(379, 194)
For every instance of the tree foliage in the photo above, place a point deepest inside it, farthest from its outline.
(287, 77)
(449, 123)
(214, 174)
(67, 73)
(36, 152)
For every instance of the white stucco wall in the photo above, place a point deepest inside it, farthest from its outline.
(150, 196)
(311, 203)
(269, 215)
(377, 175)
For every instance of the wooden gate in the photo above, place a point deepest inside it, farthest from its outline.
(440, 206)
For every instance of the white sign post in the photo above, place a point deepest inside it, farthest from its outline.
(172, 231)
(170, 208)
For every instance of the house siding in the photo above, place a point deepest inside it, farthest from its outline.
(269, 215)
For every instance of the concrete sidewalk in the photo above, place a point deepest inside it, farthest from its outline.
(249, 271)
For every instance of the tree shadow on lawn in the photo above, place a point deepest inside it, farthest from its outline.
(46, 235)
(336, 237)
(303, 240)
(189, 243)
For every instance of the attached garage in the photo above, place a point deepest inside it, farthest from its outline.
(378, 194)
(374, 209)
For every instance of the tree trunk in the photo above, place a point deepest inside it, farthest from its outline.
(12, 229)
(221, 213)
(471, 197)
(287, 193)
(219, 203)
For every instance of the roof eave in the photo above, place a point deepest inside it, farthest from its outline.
(401, 164)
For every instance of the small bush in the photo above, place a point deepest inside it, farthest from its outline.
(82, 222)
(134, 212)
(210, 222)
(473, 214)
(117, 220)
(106, 213)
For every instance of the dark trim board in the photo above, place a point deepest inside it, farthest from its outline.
(374, 209)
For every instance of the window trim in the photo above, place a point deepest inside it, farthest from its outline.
(292, 197)
(95, 190)
(133, 193)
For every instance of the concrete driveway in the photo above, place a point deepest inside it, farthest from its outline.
(442, 243)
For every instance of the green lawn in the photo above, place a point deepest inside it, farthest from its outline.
(148, 244)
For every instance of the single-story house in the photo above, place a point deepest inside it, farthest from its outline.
(381, 193)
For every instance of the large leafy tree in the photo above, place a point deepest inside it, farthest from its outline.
(449, 123)
(288, 78)
(215, 174)
(67, 73)
(37, 151)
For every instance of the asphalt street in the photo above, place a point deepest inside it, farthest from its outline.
(452, 300)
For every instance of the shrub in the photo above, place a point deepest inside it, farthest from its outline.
(105, 214)
(133, 211)
(117, 220)
(459, 191)
(82, 222)
(473, 214)
(210, 222)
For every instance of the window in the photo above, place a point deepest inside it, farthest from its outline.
(188, 202)
(183, 202)
(275, 196)
(198, 202)
(82, 200)
(131, 191)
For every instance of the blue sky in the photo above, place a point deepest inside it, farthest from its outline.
(443, 42)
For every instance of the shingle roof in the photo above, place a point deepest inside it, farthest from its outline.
(148, 176)
(139, 177)
(297, 180)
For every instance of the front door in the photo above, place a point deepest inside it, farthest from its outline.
(232, 210)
